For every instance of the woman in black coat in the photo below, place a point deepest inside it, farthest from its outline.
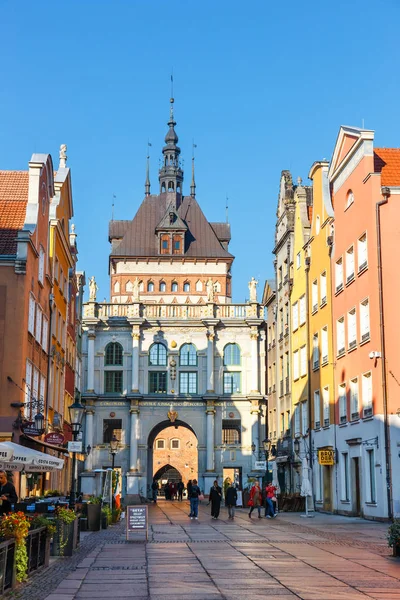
(215, 499)
(230, 500)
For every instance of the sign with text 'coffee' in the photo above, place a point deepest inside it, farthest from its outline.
(136, 521)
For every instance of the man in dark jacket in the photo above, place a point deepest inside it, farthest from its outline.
(8, 495)
(180, 488)
(230, 500)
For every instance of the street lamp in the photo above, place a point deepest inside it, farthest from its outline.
(296, 446)
(113, 449)
(76, 411)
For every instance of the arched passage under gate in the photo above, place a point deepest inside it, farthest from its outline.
(172, 446)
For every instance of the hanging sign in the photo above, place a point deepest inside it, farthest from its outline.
(55, 438)
(29, 428)
(74, 446)
(326, 457)
(260, 465)
(136, 521)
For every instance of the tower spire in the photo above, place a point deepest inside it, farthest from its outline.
(193, 183)
(171, 174)
(147, 183)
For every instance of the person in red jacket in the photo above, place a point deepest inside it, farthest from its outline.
(255, 499)
(270, 492)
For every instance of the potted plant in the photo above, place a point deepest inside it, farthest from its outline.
(94, 513)
(16, 525)
(393, 537)
(65, 538)
(106, 516)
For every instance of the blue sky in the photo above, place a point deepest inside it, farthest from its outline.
(259, 86)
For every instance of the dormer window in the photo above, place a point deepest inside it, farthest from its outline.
(177, 244)
(165, 241)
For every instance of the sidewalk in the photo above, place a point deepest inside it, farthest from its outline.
(324, 558)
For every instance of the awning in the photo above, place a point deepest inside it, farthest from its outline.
(45, 444)
(26, 459)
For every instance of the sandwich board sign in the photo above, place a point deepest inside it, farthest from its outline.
(136, 522)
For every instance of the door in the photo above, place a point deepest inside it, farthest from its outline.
(356, 492)
(327, 479)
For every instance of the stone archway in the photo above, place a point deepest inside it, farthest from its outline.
(174, 445)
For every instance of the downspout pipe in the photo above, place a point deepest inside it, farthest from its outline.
(388, 462)
(307, 264)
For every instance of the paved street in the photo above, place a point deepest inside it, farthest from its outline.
(325, 558)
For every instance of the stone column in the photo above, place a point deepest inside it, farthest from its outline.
(254, 360)
(89, 438)
(210, 360)
(210, 412)
(134, 438)
(90, 373)
(135, 360)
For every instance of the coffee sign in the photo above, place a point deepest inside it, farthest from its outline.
(55, 438)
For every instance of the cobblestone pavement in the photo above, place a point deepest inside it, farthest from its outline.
(324, 558)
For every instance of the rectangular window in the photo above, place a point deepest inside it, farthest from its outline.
(354, 407)
(315, 351)
(295, 316)
(326, 405)
(231, 431)
(113, 382)
(28, 388)
(367, 393)
(298, 260)
(364, 320)
(297, 419)
(45, 335)
(42, 388)
(31, 315)
(41, 265)
(371, 476)
(188, 383)
(304, 417)
(160, 444)
(38, 328)
(303, 361)
(324, 344)
(314, 295)
(295, 365)
(339, 275)
(56, 270)
(280, 276)
(342, 403)
(317, 410)
(362, 252)
(157, 382)
(352, 328)
(288, 422)
(323, 288)
(164, 245)
(112, 427)
(302, 305)
(345, 477)
(35, 384)
(340, 338)
(231, 382)
(282, 423)
(281, 323)
(350, 264)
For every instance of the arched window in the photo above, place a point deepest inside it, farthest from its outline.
(231, 355)
(188, 355)
(129, 286)
(170, 186)
(113, 354)
(163, 184)
(186, 287)
(158, 355)
(163, 286)
(174, 286)
(150, 286)
(199, 286)
(116, 287)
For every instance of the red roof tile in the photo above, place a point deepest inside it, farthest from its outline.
(13, 200)
(387, 162)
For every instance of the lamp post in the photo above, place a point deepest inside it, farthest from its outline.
(76, 411)
(113, 449)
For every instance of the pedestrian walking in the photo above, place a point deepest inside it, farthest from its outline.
(230, 500)
(270, 498)
(8, 495)
(166, 491)
(194, 500)
(180, 488)
(154, 490)
(215, 498)
(255, 499)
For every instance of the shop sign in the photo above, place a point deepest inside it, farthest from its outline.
(260, 465)
(136, 521)
(29, 428)
(326, 457)
(74, 446)
(55, 438)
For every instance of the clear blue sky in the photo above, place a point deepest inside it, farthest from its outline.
(260, 86)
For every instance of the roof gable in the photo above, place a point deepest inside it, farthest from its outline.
(171, 221)
(387, 162)
(348, 142)
(14, 189)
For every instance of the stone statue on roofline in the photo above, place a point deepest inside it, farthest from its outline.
(210, 290)
(253, 289)
(63, 156)
(92, 289)
(136, 290)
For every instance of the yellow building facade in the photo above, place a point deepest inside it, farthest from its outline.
(321, 360)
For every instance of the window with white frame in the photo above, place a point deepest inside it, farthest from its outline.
(362, 253)
(339, 275)
(366, 389)
(298, 260)
(326, 405)
(371, 476)
(297, 419)
(31, 315)
(41, 265)
(315, 351)
(350, 264)
(45, 334)
(188, 383)
(295, 365)
(340, 336)
(175, 444)
(160, 444)
(42, 388)
(304, 417)
(317, 410)
(38, 326)
(342, 403)
(303, 361)
(364, 320)
(354, 407)
(295, 316)
(314, 295)
(303, 313)
(35, 384)
(322, 285)
(28, 388)
(352, 328)
(324, 344)
(344, 471)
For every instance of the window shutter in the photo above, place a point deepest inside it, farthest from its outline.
(45, 335)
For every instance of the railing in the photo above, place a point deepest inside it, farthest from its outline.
(38, 548)
(7, 552)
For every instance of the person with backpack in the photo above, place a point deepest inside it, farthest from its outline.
(194, 500)
(230, 500)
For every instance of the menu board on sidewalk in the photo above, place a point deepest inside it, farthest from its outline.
(136, 521)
